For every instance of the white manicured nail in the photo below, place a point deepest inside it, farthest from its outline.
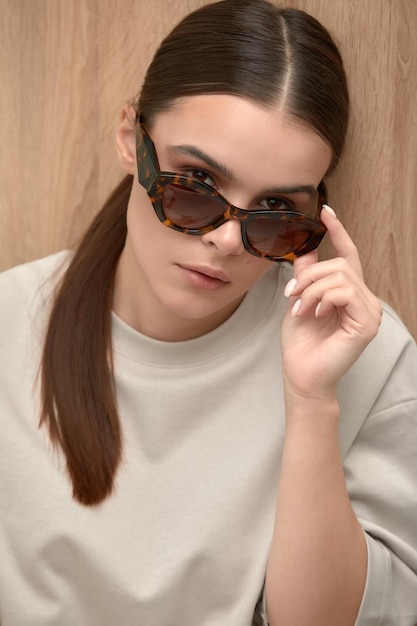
(329, 209)
(296, 308)
(290, 287)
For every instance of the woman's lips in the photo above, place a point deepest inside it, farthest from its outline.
(205, 277)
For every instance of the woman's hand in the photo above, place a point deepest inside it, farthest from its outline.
(331, 318)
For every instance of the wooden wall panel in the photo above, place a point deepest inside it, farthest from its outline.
(67, 66)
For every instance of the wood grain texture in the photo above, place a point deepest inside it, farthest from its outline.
(66, 68)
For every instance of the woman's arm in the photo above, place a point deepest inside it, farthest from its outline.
(317, 567)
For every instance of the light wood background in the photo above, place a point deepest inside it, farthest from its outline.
(67, 66)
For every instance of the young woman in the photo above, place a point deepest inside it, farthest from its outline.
(199, 421)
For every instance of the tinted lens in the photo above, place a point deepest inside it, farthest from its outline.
(188, 208)
(278, 238)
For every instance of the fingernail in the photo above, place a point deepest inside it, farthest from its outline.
(329, 209)
(317, 309)
(296, 308)
(290, 287)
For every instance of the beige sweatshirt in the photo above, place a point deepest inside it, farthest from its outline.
(184, 540)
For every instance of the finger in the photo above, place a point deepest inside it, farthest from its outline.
(292, 288)
(316, 290)
(300, 263)
(336, 297)
(318, 275)
(353, 309)
(305, 261)
(348, 296)
(340, 239)
(358, 317)
(325, 277)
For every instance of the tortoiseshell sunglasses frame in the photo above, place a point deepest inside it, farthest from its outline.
(154, 181)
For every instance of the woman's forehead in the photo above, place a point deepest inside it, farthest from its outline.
(243, 136)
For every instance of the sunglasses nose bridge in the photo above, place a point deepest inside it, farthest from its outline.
(233, 213)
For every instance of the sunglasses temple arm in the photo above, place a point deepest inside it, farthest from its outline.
(147, 161)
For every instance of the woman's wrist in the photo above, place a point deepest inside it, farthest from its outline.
(313, 409)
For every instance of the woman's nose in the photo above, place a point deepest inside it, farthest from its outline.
(227, 238)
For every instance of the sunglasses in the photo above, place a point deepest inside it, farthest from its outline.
(195, 208)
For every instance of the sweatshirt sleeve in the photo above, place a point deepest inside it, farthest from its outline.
(381, 475)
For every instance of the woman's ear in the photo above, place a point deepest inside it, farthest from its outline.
(126, 139)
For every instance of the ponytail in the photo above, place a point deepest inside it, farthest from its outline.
(78, 403)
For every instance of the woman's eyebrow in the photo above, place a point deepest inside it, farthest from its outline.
(289, 189)
(227, 172)
(202, 156)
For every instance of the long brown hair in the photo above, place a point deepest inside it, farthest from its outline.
(248, 48)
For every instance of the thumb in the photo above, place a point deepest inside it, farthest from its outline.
(305, 260)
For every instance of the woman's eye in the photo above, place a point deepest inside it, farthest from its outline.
(277, 204)
(202, 176)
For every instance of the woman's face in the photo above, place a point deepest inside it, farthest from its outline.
(173, 286)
